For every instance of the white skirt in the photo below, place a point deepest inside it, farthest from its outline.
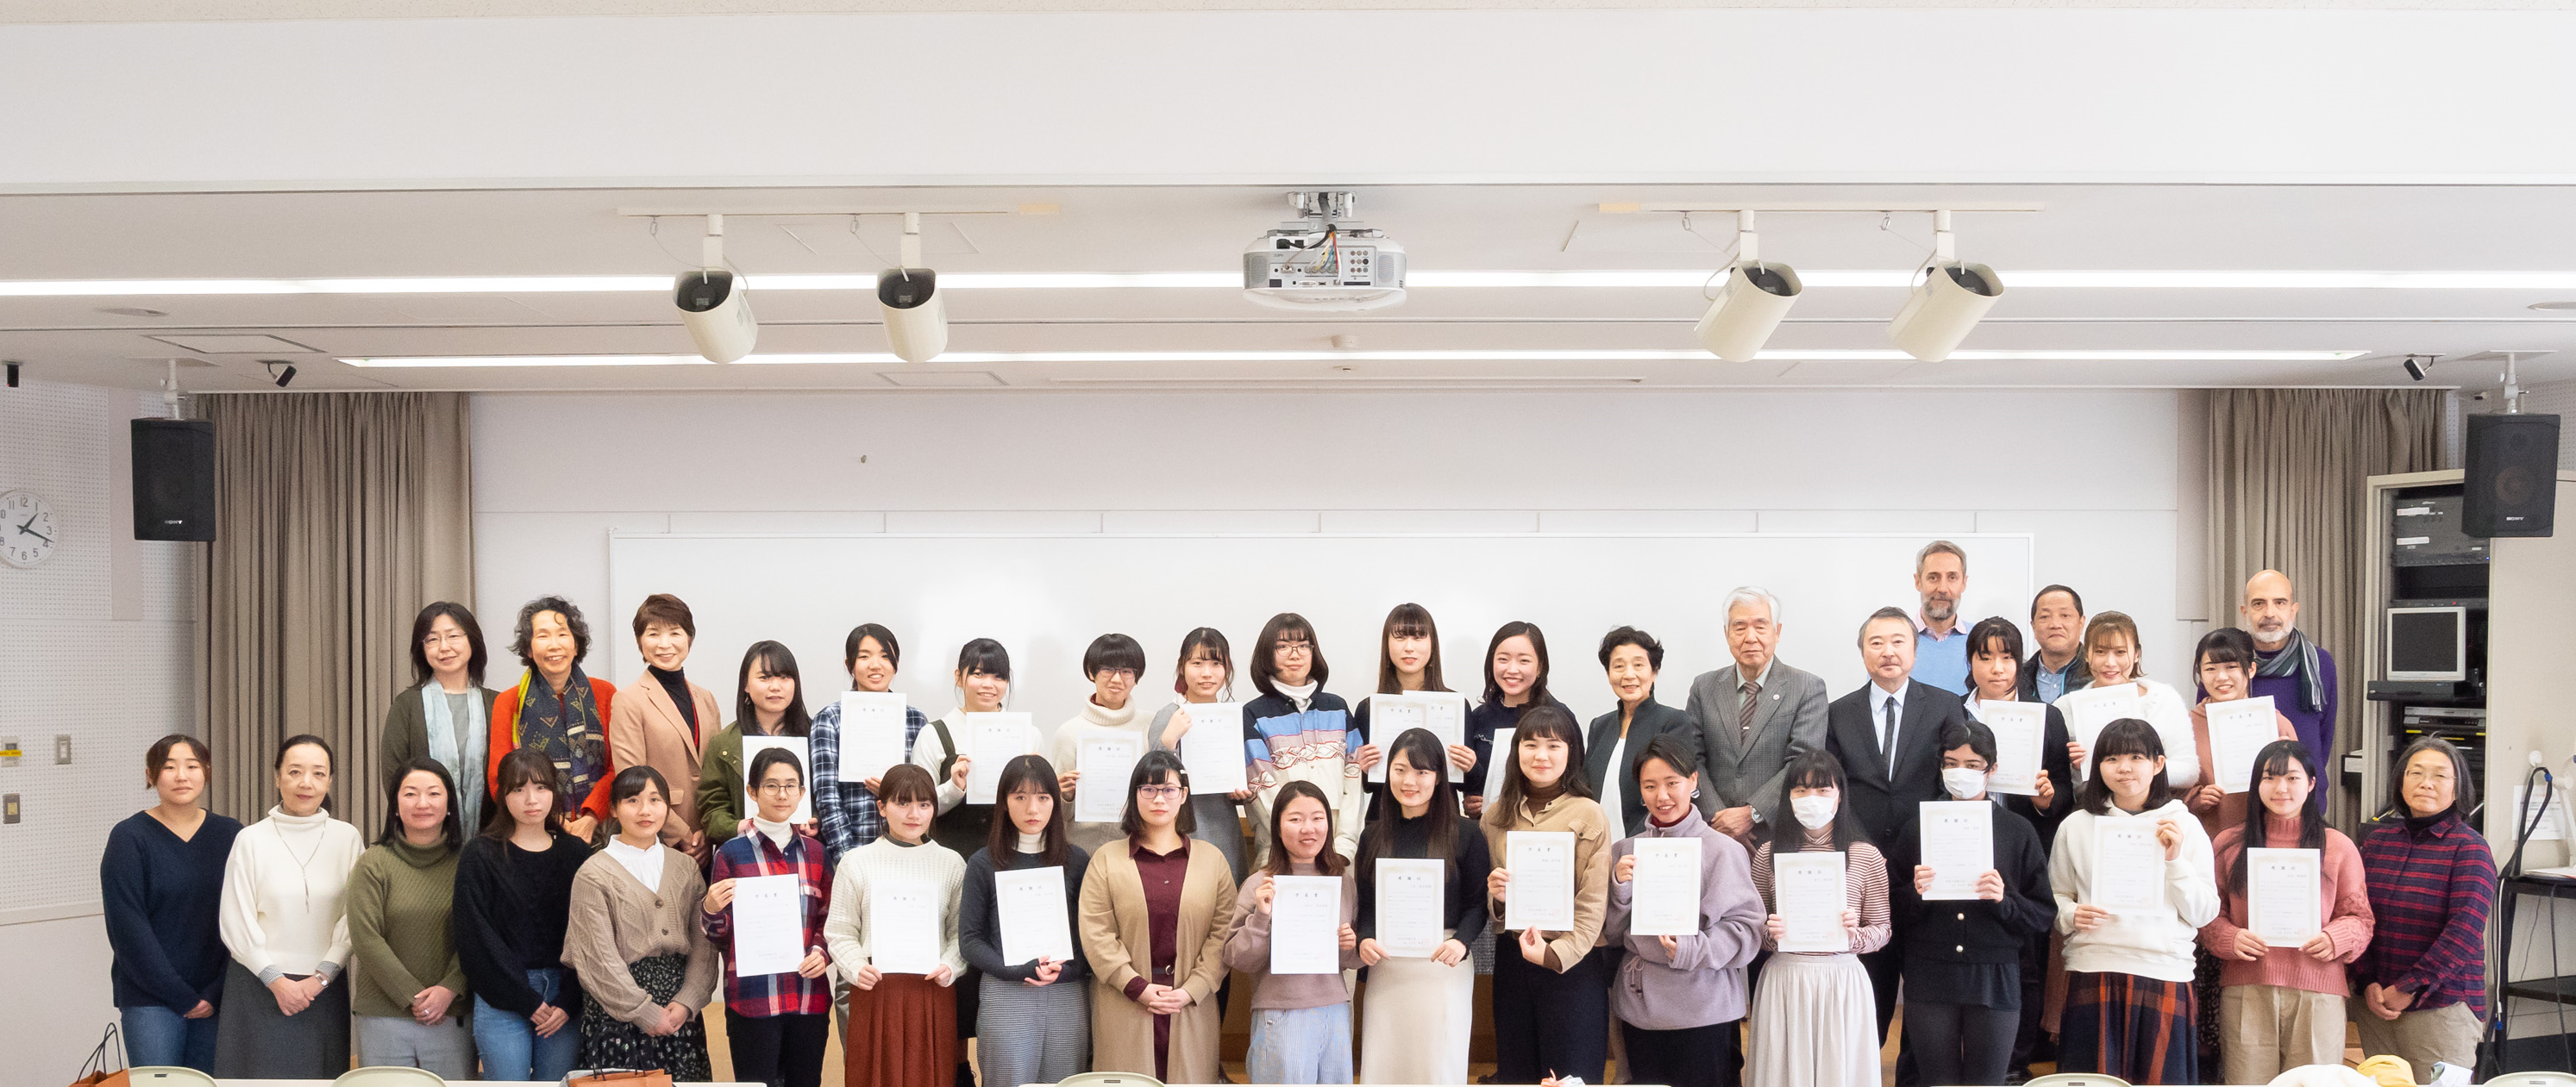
(1814, 1024)
(1415, 1015)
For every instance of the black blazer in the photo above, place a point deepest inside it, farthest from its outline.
(1851, 733)
(1653, 719)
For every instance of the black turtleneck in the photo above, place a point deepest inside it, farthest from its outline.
(677, 686)
(1464, 899)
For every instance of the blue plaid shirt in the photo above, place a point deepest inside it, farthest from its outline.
(846, 809)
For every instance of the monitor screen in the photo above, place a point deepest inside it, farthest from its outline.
(2425, 643)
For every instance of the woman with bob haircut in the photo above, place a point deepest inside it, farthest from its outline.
(446, 714)
(1298, 731)
(664, 721)
(1205, 676)
(2432, 877)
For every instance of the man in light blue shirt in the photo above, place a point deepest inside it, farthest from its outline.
(1940, 640)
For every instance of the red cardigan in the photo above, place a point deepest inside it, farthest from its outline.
(505, 739)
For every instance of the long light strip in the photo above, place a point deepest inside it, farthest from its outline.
(991, 357)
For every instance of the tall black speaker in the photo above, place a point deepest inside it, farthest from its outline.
(2512, 475)
(174, 479)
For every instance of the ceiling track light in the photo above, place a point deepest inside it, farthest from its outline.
(1948, 303)
(916, 314)
(1751, 304)
(714, 303)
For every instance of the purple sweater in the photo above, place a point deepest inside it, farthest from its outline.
(1702, 981)
(2315, 729)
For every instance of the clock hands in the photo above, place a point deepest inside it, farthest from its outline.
(27, 530)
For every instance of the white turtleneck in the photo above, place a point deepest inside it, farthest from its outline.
(1302, 694)
(779, 834)
(282, 910)
(644, 863)
(1032, 843)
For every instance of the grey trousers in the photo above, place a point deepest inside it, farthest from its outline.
(446, 1049)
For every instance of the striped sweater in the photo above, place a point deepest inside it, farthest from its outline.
(1282, 743)
(2430, 890)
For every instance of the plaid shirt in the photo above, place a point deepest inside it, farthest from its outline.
(764, 995)
(846, 809)
(2430, 891)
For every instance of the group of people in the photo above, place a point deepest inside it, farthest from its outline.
(554, 884)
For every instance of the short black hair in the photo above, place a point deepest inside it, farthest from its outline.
(524, 634)
(2126, 736)
(1990, 630)
(299, 740)
(863, 632)
(159, 755)
(774, 756)
(630, 783)
(2071, 594)
(1633, 636)
(476, 656)
(1109, 652)
(984, 657)
(1973, 735)
(1670, 751)
(1899, 614)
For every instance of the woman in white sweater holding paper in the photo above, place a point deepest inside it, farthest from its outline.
(903, 1018)
(1112, 664)
(2114, 655)
(286, 1006)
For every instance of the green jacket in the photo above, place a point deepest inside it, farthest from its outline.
(406, 737)
(721, 803)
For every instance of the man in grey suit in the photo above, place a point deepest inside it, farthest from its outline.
(1752, 717)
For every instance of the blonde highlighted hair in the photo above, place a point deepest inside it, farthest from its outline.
(2112, 622)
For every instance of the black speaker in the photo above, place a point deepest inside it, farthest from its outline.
(2512, 475)
(174, 479)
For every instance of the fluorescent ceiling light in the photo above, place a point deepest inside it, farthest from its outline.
(537, 360)
(1605, 355)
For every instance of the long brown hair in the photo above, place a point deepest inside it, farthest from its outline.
(1330, 862)
(1541, 719)
(527, 765)
(1412, 621)
(1518, 628)
(1422, 749)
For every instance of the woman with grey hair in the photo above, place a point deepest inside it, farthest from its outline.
(558, 710)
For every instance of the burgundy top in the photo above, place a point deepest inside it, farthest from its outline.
(1162, 875)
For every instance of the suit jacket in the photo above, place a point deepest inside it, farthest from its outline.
(1653, 719)
(1885, 803)
(1789, 722)
(645, 729)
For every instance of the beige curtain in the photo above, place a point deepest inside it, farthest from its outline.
(339, 515)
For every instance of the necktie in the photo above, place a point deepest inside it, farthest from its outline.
(1744, 717)
(1887, 743)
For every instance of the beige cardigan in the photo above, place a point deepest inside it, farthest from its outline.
(1592, 842)
(1113, 922)
(616, 921)
(645, 729)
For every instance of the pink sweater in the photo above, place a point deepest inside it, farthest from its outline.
(2342, 893)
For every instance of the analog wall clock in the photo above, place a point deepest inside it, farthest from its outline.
(28, 530)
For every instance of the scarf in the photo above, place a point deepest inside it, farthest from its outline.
(567, 728)
(1302, 695)
(2298, 655)
(449, 746)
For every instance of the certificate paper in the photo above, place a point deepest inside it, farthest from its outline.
(1103, 799)
(1306, 924)
(2020, 728)
(992, 740)
(1494, 769)
(2281, 895)
(1392, 715)
(1031, 905)
(1412, 905)
(2128, 865)
(1212, 750)
(2238, 732)
(768, 925)
(871, 734)
(1958, 845)
(752, 746)
(903, 927)
(1541, 893)
(1807, 892)
(1664, 891)
(2091, 710)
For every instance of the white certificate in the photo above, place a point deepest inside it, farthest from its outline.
(2128, 865)
(1808, 892)
(1412, 906)
(1958, 845)
(903, 926)
(1031, 904)
(1306, 924)
(2238, 731)
(1541, 893)
(1444, 713)
(768, 925)
(1103, 799)
(992, 741)
(2020, 729)
(1664, 888)
(752, 746)
(2091, 710)
(871, 734)
(1502, 755)
(1212, 750)
(2281, 895)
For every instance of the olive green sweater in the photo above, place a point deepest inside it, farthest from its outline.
(398, 900)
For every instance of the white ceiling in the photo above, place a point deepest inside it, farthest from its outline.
(305, 235)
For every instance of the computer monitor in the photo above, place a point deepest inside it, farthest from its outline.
(2428, 644)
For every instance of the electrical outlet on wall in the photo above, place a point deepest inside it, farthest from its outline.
(9, 808)
(62, 749)
(8, 751)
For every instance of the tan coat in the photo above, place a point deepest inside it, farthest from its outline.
(645, 729)
(1113, 922)
(1592, 842)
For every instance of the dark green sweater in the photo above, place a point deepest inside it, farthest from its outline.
(398, 900)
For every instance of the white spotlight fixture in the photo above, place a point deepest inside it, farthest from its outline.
(1751, 303)
(916, 314)
(1949, 302)
(714, 303)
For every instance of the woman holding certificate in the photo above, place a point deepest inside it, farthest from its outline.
(1616, 748)
(2293, 911)
(893, 933)
(634, 940)
(2132, 877)
(1815, 1020)
(1515, 680)
(1422, 901)
(1108, 726)
(1297, 731)
(1292, 932)
(769, 700)
(945, 751)
(2120, 688)
(1552, 983)
(1995, 666)
(1973, 890)
(778, 1001)
(2224, 661)
(847, 810)
(1408, 662)
(1206, 678)
(1682, 900)
(1153, 924)
(1015, 926)
(2431, 879)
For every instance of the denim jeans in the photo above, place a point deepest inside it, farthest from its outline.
(158, 1036)
(510, 1047)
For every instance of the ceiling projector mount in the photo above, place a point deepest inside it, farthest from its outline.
(1325, 261)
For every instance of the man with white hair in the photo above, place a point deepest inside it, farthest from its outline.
(1752, 717)
(2297, 673)
(1940, 639)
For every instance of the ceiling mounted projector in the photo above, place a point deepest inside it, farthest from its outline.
(916, 314)
(1324, 262)
(713, 303)
(1750, 305)
(1949, 302)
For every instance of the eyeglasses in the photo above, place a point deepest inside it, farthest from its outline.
(1128, 674)
(1286, 646)
(1161, 792)
(781, 786)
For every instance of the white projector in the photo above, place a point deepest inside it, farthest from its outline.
(1334, 268)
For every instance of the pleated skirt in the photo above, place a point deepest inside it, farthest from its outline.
(1032, 1034)
(1415, 1017)
(1815, 1024)
(903, 1033)
(253, 1040)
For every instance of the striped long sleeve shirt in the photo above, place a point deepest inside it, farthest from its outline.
(2430, 890)
(763, 995)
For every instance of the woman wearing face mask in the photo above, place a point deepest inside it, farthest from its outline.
(2224, 662)
(559, 711)
(903, 1027)
(1301, 1023)
(1206, 676)
(513, 903)
(1408, 660)
(2431, 877)
(2283, 1007)
(634, 939)
(1815, 1022)
(846, 811)
(1617, 744)
(1963, 985)
(162, 885)
(1297, 731)
(769, 700)
(1679, 998)
(410, 984)
(2114, 655)
(1152, 924)
(664, 721)
(1420, 1012)
(1035, 1024)
(2129, 1006)
(1551, 990)
(286, 1009)
(1112, 664)
(446, 714)
(1515, 680)
(776, 1024)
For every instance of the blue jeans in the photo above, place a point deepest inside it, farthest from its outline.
(510, 1047)
(158, 1036)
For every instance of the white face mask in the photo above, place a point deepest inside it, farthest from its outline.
(1963, 783)
(1813, 812)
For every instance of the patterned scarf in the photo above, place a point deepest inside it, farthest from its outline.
(2297, 655)
(567, 728)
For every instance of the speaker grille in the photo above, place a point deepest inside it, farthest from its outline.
(174, 479)
(2512, 475)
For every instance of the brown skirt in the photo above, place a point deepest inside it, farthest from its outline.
(903, 1033)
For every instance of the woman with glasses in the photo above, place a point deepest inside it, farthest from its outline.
(446, 714)
(1154, 912)
(1111, 664)
(1297, 731)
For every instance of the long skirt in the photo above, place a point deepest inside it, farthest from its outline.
(1415, 1019)
(610, 1042)
(1032, 1033)
(2139, 1029)
(253, 1040)
(903, 1033)
(1814, 1024)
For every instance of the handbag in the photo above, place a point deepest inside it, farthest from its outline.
(618, 1077)
(94, 1071)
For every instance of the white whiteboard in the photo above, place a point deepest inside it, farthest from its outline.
(1046, 597)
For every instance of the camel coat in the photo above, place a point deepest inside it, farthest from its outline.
(1113, 922)
(645, 729)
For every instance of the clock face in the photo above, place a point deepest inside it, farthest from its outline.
(28, 530)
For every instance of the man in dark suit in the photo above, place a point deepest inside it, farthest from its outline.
(1751, 718)
(1888, 736)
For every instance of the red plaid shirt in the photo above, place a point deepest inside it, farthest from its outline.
(764, 995)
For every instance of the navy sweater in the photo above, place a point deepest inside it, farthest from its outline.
(161, 897)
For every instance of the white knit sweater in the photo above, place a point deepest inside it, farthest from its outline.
(1065, 753)
(845, 932)
(2152, 943)
(283, 912)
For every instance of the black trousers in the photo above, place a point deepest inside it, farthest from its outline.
(778, 1050)
(1960, 1043)
(1547, 1023)
(2034, 995)
(1691, 1057)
